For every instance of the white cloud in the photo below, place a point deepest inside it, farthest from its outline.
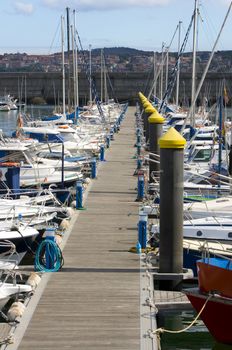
(226, 2)
(91, 5)
(23, 8)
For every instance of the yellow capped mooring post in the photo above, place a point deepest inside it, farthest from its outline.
(171, 208)
(155, 122)
(142, 100)
(147, 112)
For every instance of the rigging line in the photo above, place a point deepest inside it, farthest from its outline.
(173, 77)
(53, 40)
(108, 77)
(210, 40)
(206, 69)
(149, 78)
(209, 22)
(164, 59)
(93, 85)
(188, 45)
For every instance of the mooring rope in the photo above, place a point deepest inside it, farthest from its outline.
(160, 330)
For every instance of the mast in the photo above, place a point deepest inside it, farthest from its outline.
(178, 67)
(154, 73)
(63, 71)
(105, 82)
(101, 75)
(167, 59)
(68, 51)
(192, 115)
(208, 64)
(90, 74)
(162, 72)
(74, 73)
(76, 60)
(25, 93)
(220, 102)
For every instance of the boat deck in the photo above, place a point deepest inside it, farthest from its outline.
(94, 301)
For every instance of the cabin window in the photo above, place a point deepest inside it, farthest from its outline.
(203, 155)
(230, 235)
(199, 233)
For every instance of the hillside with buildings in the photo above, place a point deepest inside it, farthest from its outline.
(116, 60)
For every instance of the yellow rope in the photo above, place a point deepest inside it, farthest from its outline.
(163, 330)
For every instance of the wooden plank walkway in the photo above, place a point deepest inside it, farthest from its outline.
(94, 301)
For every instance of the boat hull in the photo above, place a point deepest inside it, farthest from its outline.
(215, 278)
(216, 315)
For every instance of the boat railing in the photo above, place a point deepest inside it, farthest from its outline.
(8, 258)
(217, 248)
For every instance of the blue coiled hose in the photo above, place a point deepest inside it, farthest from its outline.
(53, 250)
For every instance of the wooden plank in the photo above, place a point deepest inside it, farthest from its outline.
(94, 302)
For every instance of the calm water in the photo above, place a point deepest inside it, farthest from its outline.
(196, 338)
(8, 119)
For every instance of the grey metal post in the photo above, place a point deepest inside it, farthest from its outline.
(171, 206)
(145, 116)
(155, 132)
(147, 112)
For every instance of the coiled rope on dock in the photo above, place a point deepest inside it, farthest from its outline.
(53, 251)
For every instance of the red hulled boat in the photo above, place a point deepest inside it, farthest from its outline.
(215, 291)
(215, 275)
(217, 314)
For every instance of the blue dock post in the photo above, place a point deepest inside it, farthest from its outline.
(94, 169)
(140, 186)
(138, 141)
(112, 134)
(79, 195)
(107, 141)
(142, 230)
(49, 250)
(139, 163)
(102, 153)
(138, 149)
(115, 128)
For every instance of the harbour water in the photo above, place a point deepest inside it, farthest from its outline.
(8, 120)
(196, 338)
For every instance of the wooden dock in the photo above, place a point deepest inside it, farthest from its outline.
(94, 301)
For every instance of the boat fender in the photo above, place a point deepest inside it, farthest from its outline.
(73, 204)
(85, 185)
(64, 224)
(58, 239)
(16, 310)
(87, 180)
(33, 280)
(9, 164)
(70, 211)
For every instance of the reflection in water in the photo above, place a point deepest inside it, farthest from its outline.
(218, 346)
(196, 338)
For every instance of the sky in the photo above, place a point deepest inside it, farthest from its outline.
(33, 26)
